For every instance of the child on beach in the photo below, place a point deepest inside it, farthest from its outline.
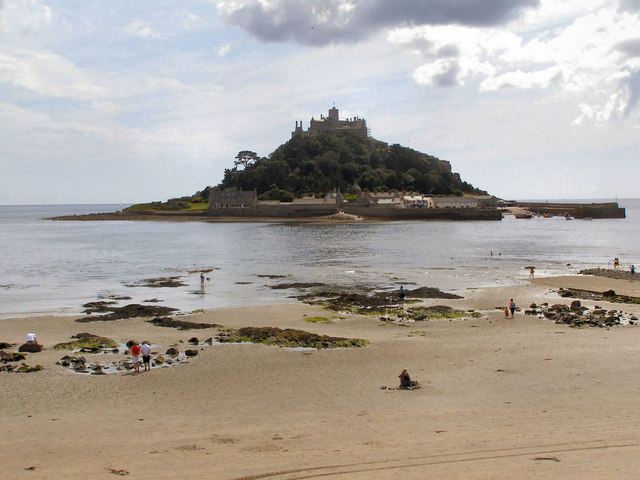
(506, 312)
(135, 356)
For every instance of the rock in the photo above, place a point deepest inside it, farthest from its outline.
(172, 351)
(5, 345)
(180, 324)
(191, 353)
(194, 340)
(30, 347)
(11, 356)
(575, 305)
(209, 341)
(24, 368)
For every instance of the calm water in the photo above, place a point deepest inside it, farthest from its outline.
(55, 267)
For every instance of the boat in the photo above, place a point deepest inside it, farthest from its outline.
(524, 215)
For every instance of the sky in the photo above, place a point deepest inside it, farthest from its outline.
(125, 102)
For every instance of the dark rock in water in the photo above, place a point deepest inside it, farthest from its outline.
(194, 340)
(191, 353)
(575, 305)
(161, 282)
(172, 351)
(30, 347)
(430, 292)
(5, 345)
(180, 324)
(299, 286)
(210, 340)
(99, 306)
(132, 310)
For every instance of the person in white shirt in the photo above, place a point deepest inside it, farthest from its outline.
(145, 351)
(31, 338)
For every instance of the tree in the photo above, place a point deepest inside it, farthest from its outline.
(245, 158)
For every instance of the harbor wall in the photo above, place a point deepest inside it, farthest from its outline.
(577, 210)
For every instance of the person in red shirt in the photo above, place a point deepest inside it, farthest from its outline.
(135, 353)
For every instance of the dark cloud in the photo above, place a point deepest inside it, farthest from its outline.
(320, 22)
(448, 78)
(632, 6)
(631, 48)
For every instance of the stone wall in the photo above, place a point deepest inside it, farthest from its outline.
(577, 210)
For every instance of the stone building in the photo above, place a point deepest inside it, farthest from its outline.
(333, 124)
(232, 198)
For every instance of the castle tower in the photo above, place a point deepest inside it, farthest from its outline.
(333, 116)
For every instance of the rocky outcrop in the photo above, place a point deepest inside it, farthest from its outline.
(576, 315)
(30, 347)
(132, 310)
(87, 343)
(287, 338)
(180, 324)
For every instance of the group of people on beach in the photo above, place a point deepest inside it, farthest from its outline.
(137, 351)
(632, 268)
(511, 308)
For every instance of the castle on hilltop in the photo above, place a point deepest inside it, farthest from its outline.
(333, 124)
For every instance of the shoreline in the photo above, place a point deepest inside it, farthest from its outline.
(519, 388)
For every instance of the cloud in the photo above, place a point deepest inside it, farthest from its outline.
(47, 74)
(321, 22)
(223, 50)
(141, 30)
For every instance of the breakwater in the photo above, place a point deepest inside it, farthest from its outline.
(577, 210)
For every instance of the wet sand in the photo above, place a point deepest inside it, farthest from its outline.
(500, 398)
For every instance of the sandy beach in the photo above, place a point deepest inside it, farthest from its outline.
(500, 398)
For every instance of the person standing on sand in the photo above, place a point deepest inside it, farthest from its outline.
(201, 278)
(145, 350)
(531, 271)
(401, 294)
(135, 356)
(632, 272)
(512, 307)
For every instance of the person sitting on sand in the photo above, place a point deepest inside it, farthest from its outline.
(405, 380)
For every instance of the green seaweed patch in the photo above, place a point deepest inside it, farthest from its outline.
(288, 337)
(88, 342)
(437, 312)
(318, 320)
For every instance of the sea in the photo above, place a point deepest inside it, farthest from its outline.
(55, 267)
